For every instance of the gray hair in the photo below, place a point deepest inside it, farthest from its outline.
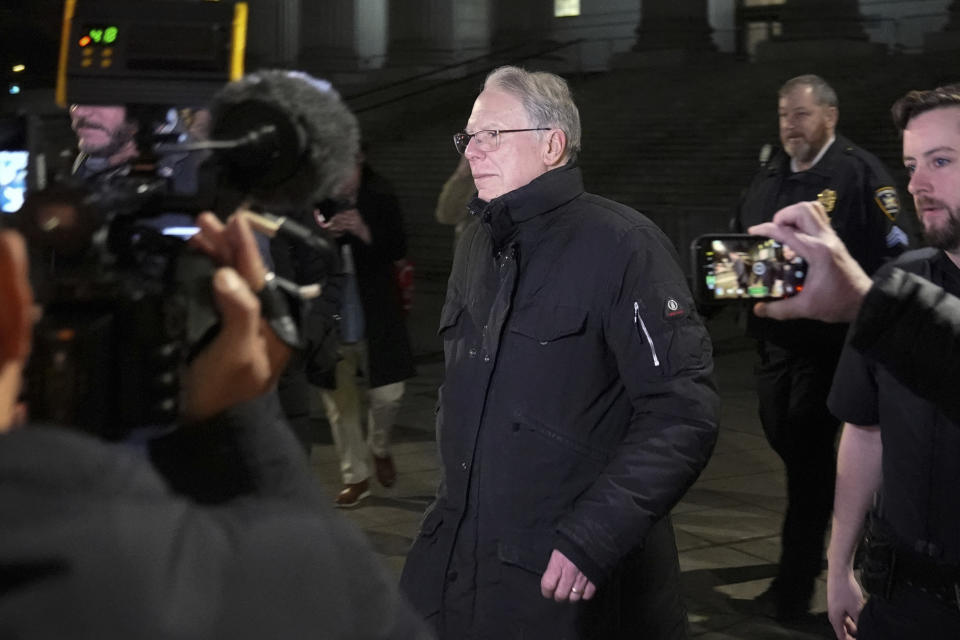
(823, 93)
(546, 98)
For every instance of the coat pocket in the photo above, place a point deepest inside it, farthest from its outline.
(681, 339)
(527, 549)
(546, 324)
(568, 443)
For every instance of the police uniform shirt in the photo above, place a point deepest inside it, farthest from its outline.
(921, 446)
(854, 188)
(858, 195)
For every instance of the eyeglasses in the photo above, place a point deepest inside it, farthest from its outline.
(486, 139)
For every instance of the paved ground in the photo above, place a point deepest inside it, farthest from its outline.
(727, 525)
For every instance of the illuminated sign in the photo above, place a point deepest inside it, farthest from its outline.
(99, 34)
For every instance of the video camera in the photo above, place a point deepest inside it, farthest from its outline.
(126, 302)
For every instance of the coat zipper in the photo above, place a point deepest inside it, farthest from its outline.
(639, 323)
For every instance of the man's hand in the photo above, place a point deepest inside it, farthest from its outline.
(349, 221)
(844, 603)
(246, 358)
(562, 580)
(835, 284)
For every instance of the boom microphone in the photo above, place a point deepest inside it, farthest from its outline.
(291, 141)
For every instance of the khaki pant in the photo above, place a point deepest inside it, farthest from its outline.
(344, 407)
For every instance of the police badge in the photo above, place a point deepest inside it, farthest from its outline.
(888, 202)
(828, 198)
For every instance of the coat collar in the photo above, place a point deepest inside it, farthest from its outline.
(543, 194)
(826, 167)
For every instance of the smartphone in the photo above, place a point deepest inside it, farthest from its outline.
(13, 179)
(730, 267)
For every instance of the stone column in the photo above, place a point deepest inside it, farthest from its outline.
(520, 22)
(948, 38)
(343, 35)
(822, 20)
(273, 33)
(432, 33)
(819, 29)
(671, 32)
(674, 24)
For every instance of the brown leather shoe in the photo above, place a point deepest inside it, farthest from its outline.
(352, 494)
(386, 472)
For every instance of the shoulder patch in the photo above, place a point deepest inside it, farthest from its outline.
(888, 202)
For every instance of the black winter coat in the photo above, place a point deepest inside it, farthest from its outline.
(577, 408)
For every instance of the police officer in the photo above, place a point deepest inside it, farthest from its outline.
(896, 443)
(798, 357)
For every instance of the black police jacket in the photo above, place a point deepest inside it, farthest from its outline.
(911, 326)
(921, 443)
(578, 403)
(859, 196)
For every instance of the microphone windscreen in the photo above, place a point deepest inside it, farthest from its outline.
(303, 139)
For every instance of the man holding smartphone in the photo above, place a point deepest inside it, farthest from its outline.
(798, 357)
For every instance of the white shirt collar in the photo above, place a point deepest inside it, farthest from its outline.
(793, 161)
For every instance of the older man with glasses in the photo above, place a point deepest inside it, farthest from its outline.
(578, 404)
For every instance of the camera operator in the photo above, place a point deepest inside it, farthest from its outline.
(111, 138)
(99, 543)
(106, 139)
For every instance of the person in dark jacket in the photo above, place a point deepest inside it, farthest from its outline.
(314, 364)
(898, 452)
(368, 225)
(797, 358)
(578, 403)
(221, 533)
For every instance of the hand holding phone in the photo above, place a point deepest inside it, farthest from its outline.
(836, 284)
(736, 267)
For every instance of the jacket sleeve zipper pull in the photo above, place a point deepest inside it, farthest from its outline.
(641, 326)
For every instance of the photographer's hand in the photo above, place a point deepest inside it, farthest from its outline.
(246, 357)
(835, 284)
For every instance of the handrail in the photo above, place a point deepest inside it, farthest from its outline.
(443, 83)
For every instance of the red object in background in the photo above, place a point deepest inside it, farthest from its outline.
(404, 270)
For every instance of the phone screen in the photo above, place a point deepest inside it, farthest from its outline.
(13, 180)
(733, 267)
